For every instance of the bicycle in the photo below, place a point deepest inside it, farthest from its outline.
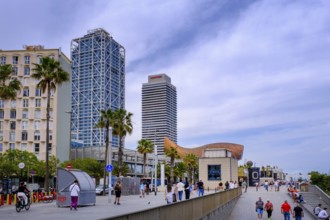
(20, 204)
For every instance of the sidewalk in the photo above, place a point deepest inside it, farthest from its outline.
(102, 209)
(245, 206)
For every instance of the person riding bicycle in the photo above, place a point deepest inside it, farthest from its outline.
(21, 192)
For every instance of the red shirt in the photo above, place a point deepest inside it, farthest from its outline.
(286, 207)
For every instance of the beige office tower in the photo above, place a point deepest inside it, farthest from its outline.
(23, 121)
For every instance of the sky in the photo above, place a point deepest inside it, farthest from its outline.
(251, 72)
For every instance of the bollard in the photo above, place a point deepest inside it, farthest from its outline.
(2, 199)
(15, 198)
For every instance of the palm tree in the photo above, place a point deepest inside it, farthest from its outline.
(173, 154)
(50, 74)
(180, 169)
(8, 91)
(107, 120)
(191, 161)
(145, 147)
(122, 127)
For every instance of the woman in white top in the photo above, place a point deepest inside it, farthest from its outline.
(169, 194)
(74, 189)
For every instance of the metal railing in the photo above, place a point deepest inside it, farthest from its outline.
(196, 208)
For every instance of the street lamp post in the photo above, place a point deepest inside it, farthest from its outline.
(110, 163)
(70, 136)
(156, 161)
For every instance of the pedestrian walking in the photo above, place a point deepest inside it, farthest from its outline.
(169, 194)
(257, 186)
(142, 189)
(269, 209)
(298, 212)
(187, 190)
(259, 208)
(200, 186)
(245, 186)
(227, 185)
(118, 189)
(286, 210)
(74, 193)
(180, 187)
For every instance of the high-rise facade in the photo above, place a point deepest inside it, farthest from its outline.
(98, 83)
(23, 120)
(159, 110)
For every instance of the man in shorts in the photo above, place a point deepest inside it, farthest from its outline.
(260, 208)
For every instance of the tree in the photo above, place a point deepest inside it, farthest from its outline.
(107, 121)
(180, 169)
(321, 180)
(145, 147)
(50, 74)
(8, 91)
(10, 160)
(191, 161)
(173, 154)
(120, 170)
(91, 166)
(122, 127)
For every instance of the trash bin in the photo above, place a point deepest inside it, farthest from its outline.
(65, 178)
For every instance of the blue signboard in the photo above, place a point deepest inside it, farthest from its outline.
(109, 168)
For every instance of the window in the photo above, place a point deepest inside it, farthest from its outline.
(15, 59)
(12, 125)
(2, 104)
(37, 114)
(38, 92)
(12, 136)
(1, 126)
(39, 59)
(26, 71)
(15, 70)
(1, 136)
(13, 103)
(49, 148)
(51, 114)
(214, 172)
(25, 114)
(25, 81)
(37, 103)
(12, 146)
(0, 147)
(24, 125)
(37, 125)
(36, 148)
(27, 59)
(2, 60)
(51, 56)
(24, 135)
(25, 103)
(37, 135)
(12, 113)
(23, 146)
(26, 92)
(2, 113)
(50, 135)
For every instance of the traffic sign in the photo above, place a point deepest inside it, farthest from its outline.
(68, 166)
(109, 168)
(21, 165)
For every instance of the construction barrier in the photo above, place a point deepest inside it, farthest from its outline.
(2, 199)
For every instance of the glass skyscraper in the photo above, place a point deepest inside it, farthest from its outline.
(98, 83)
(159, 110)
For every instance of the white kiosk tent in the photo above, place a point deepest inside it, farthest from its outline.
(87, 187)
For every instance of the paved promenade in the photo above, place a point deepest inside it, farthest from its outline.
(102, 209)
(244, 209)
(245, 206)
